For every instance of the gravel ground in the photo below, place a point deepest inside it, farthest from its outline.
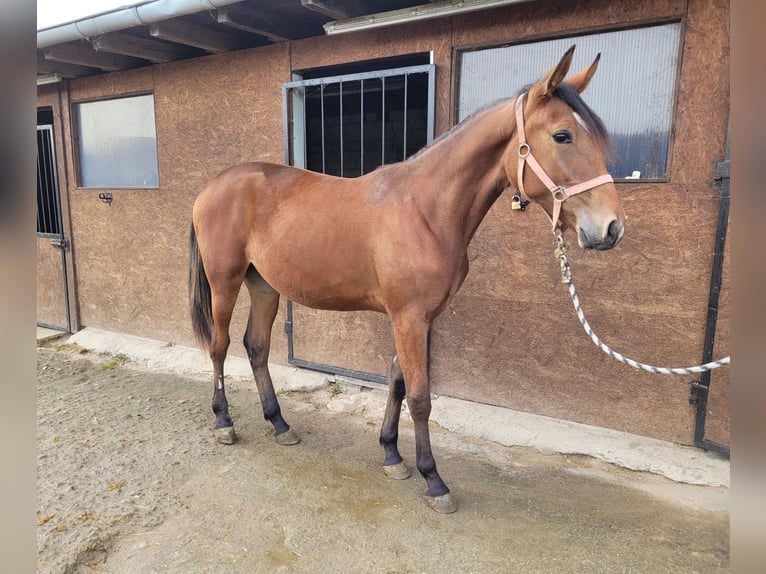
(131, 480)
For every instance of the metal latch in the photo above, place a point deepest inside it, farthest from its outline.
(722, 169)
(61, 243)
(697, 391)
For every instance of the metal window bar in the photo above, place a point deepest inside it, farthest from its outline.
(340, 100)
(321, 101)
(361, 128)
(383, 121)
(404, 121)
(290, 102)
(421, 69)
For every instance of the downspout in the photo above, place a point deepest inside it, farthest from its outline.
(121, 18)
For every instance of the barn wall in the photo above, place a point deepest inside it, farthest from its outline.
(510, 338)
(511, 333)
(132, 254)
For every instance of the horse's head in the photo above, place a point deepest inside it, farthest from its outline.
(557, 157)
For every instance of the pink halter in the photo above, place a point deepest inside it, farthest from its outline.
(560, 193)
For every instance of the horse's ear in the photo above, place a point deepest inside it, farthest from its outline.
(581, 79)
(543, 89)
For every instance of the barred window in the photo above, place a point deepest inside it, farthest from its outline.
(48, 201)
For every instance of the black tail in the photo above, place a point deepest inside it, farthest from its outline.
(200, 300)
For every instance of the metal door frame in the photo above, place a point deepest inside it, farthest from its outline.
(293, 102)
(701, 389)
(54, 208)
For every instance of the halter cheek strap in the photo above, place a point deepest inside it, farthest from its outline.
(560, 193)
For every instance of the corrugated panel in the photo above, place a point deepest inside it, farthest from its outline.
(118, 143)
(633, 91)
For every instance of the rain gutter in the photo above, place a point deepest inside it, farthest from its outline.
(127, 17)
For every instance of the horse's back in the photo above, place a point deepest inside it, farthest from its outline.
(239, 183)
(308, 235)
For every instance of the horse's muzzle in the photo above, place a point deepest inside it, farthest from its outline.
(614, 232)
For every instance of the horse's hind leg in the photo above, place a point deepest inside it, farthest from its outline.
(393, 465)
(224, 296)
(264, 303)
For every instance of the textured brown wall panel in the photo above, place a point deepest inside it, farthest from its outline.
(112, 85)
(512, 334)
(211, 113)
(361, 341)
(51, 302)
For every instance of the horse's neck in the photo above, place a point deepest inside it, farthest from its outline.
(465, 172)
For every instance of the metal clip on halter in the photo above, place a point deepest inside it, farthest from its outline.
(559, 194)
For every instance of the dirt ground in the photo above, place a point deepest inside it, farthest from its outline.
(130, 480)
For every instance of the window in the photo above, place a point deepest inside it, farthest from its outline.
(117, 143)
(350, 124)
(48, 200)
(632, 91)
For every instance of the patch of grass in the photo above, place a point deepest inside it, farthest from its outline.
(71, 348)
(115, 362)
(335, 389)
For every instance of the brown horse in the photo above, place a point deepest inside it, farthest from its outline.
(394, 241)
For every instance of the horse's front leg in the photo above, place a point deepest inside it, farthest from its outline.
(264, 303)
(393, 465)
(411, 335)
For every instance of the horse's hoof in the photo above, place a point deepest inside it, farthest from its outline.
(398, 471)
(444, 504)
(226, 435)
(286, 438)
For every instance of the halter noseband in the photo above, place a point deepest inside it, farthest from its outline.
(559, 192)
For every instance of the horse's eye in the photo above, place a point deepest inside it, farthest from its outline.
(563, 137)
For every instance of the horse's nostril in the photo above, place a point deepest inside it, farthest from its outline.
(613, 231)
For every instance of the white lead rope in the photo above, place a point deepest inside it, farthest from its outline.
(566, 276)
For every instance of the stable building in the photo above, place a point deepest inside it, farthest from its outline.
(139, 107)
